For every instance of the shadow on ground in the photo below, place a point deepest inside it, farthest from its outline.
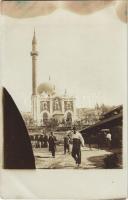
(97, 161)
(100, 162)
(43, 157)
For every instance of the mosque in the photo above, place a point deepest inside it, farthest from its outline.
(46, 103)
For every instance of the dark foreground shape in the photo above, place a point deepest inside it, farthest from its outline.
(111, 161)
(18, 152)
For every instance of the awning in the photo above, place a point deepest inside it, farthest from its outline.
(105, 123)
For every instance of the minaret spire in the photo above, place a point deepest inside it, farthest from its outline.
(34, 55)
(34, 37)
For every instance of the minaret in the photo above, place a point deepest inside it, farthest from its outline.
(34, 55)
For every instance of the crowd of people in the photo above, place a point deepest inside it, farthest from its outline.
(72, 142)
(39, 141)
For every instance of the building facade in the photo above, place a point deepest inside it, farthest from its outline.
(46, 103)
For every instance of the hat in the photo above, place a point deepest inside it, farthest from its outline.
(74, 128)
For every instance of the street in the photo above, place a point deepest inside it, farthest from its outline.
(90, 159)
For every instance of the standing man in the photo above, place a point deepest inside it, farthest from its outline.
(36, 141)
(76, 148)
(45, 139)
(42, 140)
(52, 144)
(108, 139)
(66, 143)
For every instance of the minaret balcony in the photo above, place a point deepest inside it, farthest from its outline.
(34, 53)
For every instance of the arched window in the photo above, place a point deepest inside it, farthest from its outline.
(68, 105)
(57, 107)
(45, 106)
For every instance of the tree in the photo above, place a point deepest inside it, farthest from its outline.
(28, 119)
(52, 123)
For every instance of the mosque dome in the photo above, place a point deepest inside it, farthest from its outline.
(47, 88)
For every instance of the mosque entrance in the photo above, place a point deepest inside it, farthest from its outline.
(45, 118)
(69, 118)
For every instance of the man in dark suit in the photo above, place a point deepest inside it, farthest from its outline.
(52, 144)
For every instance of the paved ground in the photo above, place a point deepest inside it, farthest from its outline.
(90, 159)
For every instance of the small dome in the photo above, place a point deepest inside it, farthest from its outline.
(47, 88)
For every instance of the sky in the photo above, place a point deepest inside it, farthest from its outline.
(85, 54)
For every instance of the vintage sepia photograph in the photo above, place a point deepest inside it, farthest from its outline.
(63, 78)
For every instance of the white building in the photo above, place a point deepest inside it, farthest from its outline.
(46, 103)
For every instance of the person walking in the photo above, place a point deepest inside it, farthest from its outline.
(52, 144)
(39, 141)
(45, 139)
(42, 140)
(66, 143)
(36, 141)
(76, 146)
